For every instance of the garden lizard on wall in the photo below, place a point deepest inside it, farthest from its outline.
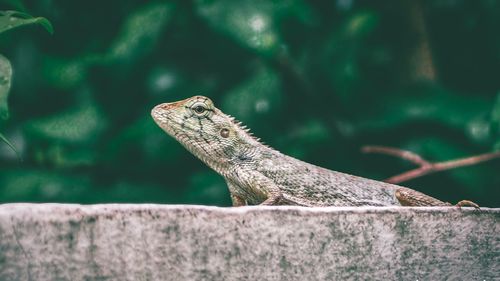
(258, 174)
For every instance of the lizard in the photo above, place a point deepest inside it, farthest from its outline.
(257, 174)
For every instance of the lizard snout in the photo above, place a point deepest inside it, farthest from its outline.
(166, 106)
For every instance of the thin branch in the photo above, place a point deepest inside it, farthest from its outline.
(426, 167)
(407, 155)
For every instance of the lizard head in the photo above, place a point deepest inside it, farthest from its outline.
(204, 130)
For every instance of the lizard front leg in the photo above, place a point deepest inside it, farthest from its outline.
(238, 201)
(236, 198)
(254, 188)
(273, 195)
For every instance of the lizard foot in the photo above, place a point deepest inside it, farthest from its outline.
(467, 203)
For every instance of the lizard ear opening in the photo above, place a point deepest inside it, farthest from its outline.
(224, 132)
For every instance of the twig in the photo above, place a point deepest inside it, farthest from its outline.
(426, 167)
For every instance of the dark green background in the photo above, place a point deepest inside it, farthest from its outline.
(314, 79)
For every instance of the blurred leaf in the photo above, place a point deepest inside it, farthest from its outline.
(5, 82)
(141, 31)
(256, 98)
(360, 24)
(137, 37)
(343, 52)
(62, 156)
(15, 145)
(65, 73)
(39, 185)
(300, 140)
(145, 138)
(433, 105)
(479, 129)
(252, 23)
(312, 131)
(80, 124)
(163, 79)
(13, 19)
(6, 141)
(208, 188)
(10, 20)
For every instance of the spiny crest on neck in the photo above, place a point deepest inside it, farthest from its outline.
(247, 130)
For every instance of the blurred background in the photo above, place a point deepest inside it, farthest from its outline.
(314, 79)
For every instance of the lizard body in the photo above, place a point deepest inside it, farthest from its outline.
(257, 174)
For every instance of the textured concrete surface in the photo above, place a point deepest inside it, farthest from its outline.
(161, 242)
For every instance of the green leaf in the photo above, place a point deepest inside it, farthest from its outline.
(207, 188)
(80, 124)
(304, 138)
(145, 136)
(252, 23)
(13, 19)
(360, 24)
(6, 141)
(42, 185)
(5, 82)
(141, 31)
(256, 99)
(63, 73)
(433, 105)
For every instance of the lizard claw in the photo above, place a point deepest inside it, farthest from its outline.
(467, 203)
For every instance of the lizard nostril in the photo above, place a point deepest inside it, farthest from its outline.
(166, 106)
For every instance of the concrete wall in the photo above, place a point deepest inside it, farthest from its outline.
(161, 242)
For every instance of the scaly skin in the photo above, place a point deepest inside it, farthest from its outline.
(258, 174)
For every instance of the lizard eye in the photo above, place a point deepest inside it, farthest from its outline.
(199, 109)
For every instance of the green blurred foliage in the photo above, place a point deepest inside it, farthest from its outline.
(5, 84)
(314, 79)
(13, 19)
(10, 20)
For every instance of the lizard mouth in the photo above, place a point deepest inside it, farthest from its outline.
(163, 118)
(157, 114)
